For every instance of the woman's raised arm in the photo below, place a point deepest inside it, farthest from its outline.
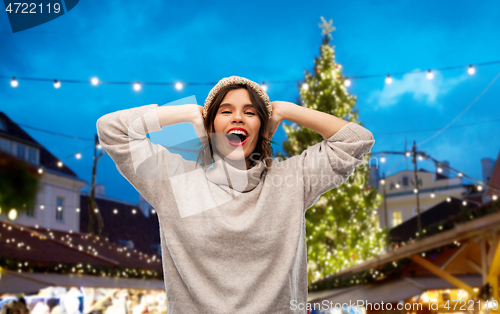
(330, 162)
(123, 135)
(168, 115)
(321, 122)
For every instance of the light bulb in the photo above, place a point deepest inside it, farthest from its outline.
(14, 82)
(12, 214)
(137, 86)
(178, 86)
(430, 75)
(94, 81)
(264, 86)
(305, 86)
(78, 156)
(471, 70)
(388, 79)
(347, 82)
(59, 164)
(57, 84)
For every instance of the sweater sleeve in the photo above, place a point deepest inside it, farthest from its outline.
(331, 162)
(123, 135)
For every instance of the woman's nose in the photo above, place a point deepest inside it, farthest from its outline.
(238, 116)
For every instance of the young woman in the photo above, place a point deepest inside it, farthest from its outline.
(232, 223)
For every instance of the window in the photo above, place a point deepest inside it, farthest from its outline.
(405, 181)
(5, 145)
(30, 211)
(396, 218)
(59, 208)
(21, 151)
(3, 125)
(32, 155)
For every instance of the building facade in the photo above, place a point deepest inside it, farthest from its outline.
(57, 204)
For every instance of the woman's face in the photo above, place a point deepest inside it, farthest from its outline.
(237, 113)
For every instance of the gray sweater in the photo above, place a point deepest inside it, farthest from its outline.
(232, 241)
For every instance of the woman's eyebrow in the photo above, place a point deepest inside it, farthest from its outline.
(230, 105)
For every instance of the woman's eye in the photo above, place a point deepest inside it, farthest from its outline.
(245, 112)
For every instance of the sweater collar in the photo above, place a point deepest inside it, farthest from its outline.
(224, 174)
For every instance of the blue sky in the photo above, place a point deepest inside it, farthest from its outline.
(160, 41)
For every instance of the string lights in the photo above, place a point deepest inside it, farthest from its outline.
(388, 79)
(471, 70)
(439, 169)
(137, 86)
(11, 234)
(78, 154)
(13, 214)
(14, 82)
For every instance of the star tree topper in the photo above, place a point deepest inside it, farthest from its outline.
(327, 27)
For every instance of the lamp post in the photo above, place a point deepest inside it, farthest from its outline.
(415, 175)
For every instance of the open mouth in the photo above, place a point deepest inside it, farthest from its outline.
(236, 139)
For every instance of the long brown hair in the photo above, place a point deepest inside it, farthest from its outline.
(262, 150)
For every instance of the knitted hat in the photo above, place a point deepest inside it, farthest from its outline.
(235, 80)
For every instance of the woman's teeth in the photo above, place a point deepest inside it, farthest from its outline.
(237, 132)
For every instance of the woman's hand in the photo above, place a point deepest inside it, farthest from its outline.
(277, 116)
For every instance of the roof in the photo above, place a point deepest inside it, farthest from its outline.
(47, 159)
(143, 231)
(440, 176)
(392, 290)
(42, 248)
(437, 214)
(19, 242)
(13, 282)
(461, 232)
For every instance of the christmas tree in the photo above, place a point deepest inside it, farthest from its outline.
(341, 227)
